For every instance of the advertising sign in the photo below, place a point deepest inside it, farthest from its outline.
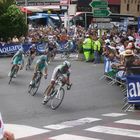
(8, 49)
(139, 25)
(133, 88)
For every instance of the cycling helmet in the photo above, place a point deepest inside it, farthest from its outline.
(20, 50)
(43, 58)
(32, 46)
(67, 63)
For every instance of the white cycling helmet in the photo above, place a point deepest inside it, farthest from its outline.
(67, 63)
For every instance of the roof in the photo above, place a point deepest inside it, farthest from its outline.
(114, 2)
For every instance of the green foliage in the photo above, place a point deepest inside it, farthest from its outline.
(4, 4)
(12, 22)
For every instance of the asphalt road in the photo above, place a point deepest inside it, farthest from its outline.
(88, 97)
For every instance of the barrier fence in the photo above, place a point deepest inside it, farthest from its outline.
(129, 83)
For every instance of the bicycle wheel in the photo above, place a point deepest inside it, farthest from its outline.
(32, 89)
(13, 72)
(57, 98)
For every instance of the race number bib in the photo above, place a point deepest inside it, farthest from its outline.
(1, 127)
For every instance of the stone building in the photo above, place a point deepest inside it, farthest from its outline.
(130, 7)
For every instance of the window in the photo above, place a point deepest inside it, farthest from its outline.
(138, 7)
(131, 1)
(135, 1)
(127, 7)
(124, 1)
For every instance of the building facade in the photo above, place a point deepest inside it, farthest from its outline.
(83, 5)
(130, 7)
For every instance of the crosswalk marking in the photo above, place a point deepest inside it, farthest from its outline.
(114, 114)
(57, 126)
(71, 137)
(129, 121)
(21, 131)
(72, 123)
(115, 131)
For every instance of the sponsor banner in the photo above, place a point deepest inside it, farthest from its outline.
(9, 48)
(139, 25)
(133, 88)
(12, 48)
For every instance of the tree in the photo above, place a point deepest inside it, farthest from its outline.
(12, 20)
(4, 4)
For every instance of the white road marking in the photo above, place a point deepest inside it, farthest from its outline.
(114, 114)
(115, 131)
(21, 131)
(72, 123)
(57, 126)
(129, 121)
(71, 137)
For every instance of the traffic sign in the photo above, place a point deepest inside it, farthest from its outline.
(99, 4)
(102, 19)
(101, 13)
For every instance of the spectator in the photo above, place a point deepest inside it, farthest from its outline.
(4, 134)
(15, 39)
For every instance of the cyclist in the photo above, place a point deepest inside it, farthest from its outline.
(61, 70)
(32, 54)
(52, 49)
(17, 61)
(41, 65)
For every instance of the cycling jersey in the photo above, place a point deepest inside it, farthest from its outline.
(32, 51)
(18, 58)
(58, 71)
(41, 65)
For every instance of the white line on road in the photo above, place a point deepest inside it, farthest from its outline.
(129, 121)
(21, 131)
(71, 137)
(115, 131)
(114, 114)
(72, 123)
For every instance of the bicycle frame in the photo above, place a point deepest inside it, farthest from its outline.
(34, 88)
(14, 70)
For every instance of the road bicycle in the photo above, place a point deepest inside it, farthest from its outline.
(57, 93)
(32, 89)
(14, 71)
(65, 52)
(29, 62)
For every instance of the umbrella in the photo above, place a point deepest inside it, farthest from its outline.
(25, 10)
(34, 9)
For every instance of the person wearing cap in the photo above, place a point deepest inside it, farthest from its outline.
(17, 61)
(87, 47)
(41, 65)
(62, 70)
